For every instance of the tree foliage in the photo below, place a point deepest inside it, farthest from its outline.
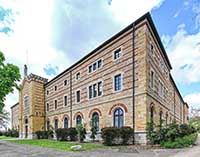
(9, 76)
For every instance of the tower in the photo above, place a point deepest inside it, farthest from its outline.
(31, 105)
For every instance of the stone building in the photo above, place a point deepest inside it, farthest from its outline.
(15, 116)
(124, 82)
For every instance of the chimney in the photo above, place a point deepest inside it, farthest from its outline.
(25, 70)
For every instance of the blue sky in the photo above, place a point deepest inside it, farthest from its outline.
(50, 41)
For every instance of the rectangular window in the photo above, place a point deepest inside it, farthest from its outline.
(47, 107)
(99, 63)
(55, 88)
(65, 100)
(78, 76)
(94, 90)
(65, 82)
(117, 53)
(90, 92)
(152, 79)
(47, 92)
(78, 96)
(56, 104)
(117, 82)
(100, 88)
(94, 66)
(90, 69)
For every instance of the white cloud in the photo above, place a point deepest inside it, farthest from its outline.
(127, 11)
(184, 54)
(38, 25)
(193, 100)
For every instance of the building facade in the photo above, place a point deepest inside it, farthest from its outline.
(124, 82)
(15, 116)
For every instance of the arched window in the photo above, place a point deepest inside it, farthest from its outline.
(78, 120)
(65, 122)
(118, 118)
(95, 120)
(151, 114)
(56, 124)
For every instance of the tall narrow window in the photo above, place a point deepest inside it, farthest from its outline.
(95, 121)
(47, 107)
(100, 88)
(118, 118)
(65, 122)
(94, 90)
(78, 76)
(90, 69)
(90, 92)
(47, 92)
(117, 53)
(94, 66)
(65, 82)
(25, 101)
(55, 88)
(56, 124)
(78, 96)
(48, 125)
(152, 79)
(78, 120)
(161, 114)
(56, 104)
(151, 115)
(99, 63)
(117, 82)
(65, 100)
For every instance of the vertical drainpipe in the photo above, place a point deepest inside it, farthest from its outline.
(44, 108)
(174, 105)
(133, 81)
(70, 98)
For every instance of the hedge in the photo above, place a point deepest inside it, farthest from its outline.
(117, 136)
(180, 142)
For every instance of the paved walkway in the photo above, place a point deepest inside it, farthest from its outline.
(8, 149)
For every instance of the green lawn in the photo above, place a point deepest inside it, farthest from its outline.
(58, 144)
(4, 137)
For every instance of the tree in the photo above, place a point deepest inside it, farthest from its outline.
(4, 118)
(9, 76)
(81, 132)
(93, 128)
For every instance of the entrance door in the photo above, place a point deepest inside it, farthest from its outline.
(26, 131)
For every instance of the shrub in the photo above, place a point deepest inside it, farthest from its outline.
(72, 132)
(12, 133)
(109, 134)
(126, 133)
(180, 142)
(65, 134)
(44, 134)
(81, 132)
(113, 136)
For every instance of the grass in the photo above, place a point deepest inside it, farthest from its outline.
(59, 145)
(181, 142)
(4, 137)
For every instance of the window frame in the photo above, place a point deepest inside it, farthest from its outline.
(55, 105)
(78, 90)
(120, 54)
(64, 122)
(64, 100)
(115, 91)
(119, 116)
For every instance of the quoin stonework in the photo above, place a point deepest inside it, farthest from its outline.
(125, 81)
